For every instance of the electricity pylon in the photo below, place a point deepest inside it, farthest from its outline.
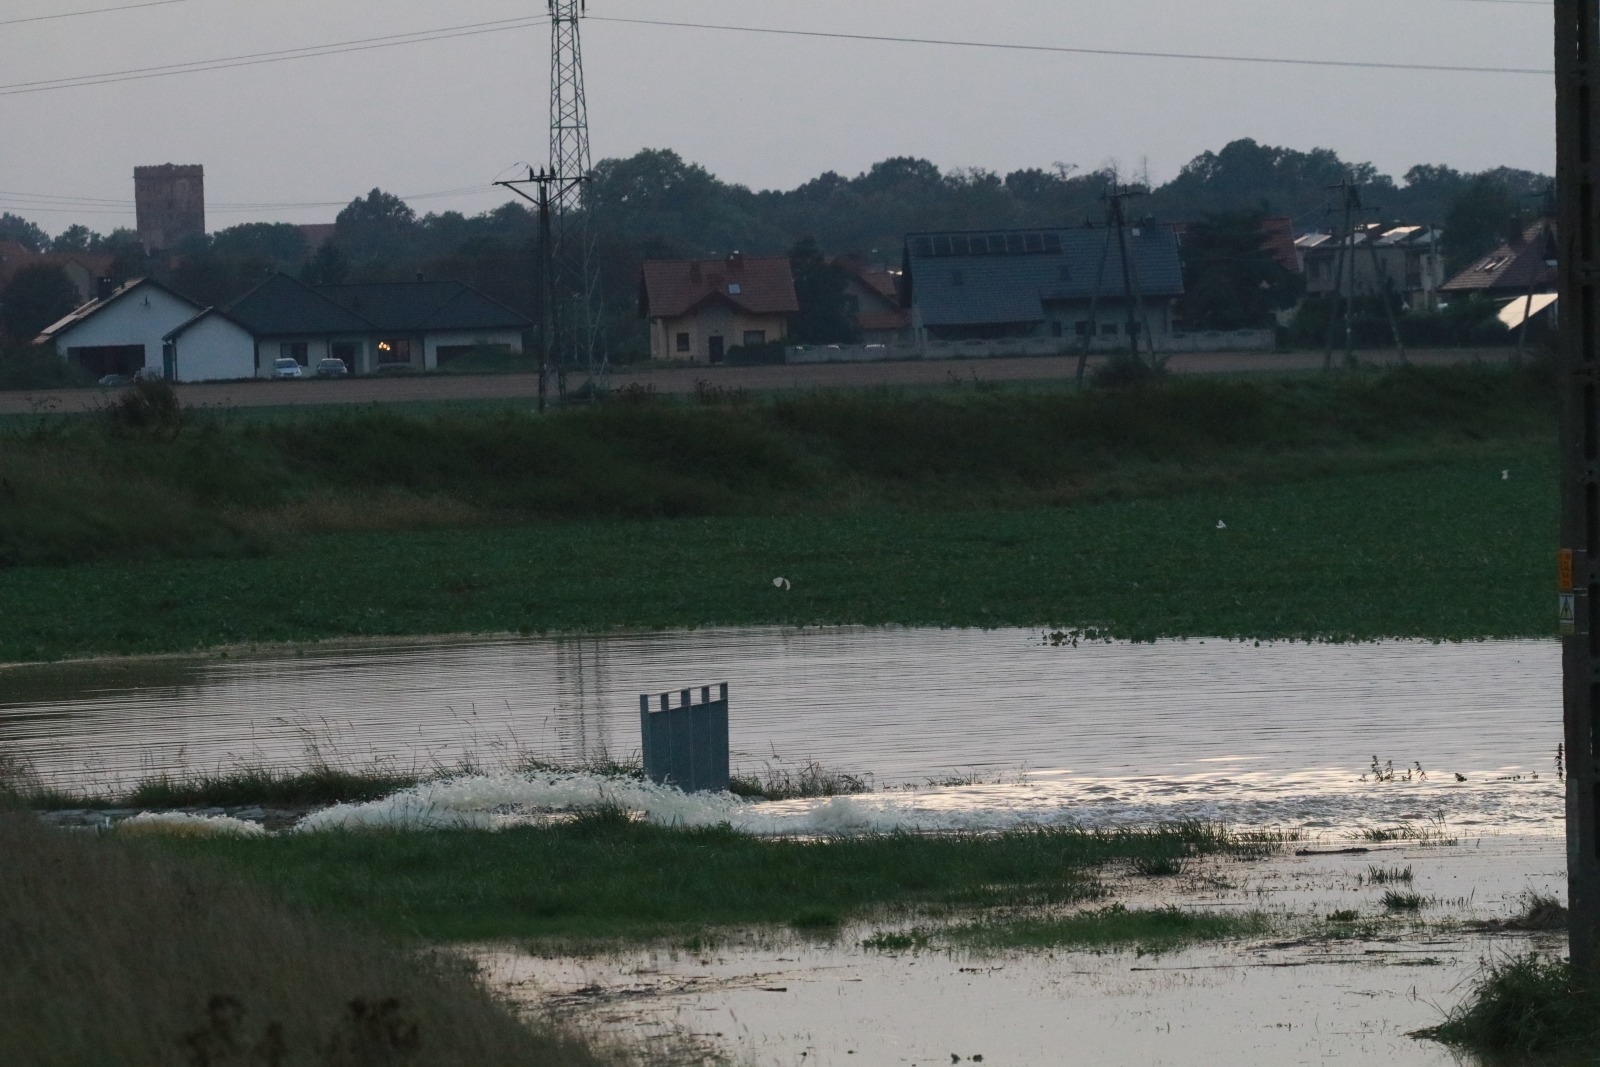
(576, 274)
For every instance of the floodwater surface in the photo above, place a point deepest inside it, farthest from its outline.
(1274, 733)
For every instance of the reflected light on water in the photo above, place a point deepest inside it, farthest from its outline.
(1211, 725)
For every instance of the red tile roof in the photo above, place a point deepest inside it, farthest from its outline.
(756, 285)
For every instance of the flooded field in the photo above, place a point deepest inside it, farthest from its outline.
(1004, 723)
(783, 1001)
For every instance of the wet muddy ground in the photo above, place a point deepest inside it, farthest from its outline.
(1309, 993)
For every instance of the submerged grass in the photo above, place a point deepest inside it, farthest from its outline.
(116, 955)
(1145, 930)
(603, 877)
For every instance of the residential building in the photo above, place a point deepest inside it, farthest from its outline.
(1407, 260)
(1064, 283)
(88, 271)
(872, 297)
(1519, 266)
(700, 308)
(122, 332)
(394, 326)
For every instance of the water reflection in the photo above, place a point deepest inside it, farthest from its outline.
(902, 705)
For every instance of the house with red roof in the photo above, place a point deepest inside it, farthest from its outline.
(872, 297)
(698, 309)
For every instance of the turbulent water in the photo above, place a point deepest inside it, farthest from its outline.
(991, 727)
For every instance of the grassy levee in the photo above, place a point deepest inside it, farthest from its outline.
(604, 878)
(1527, 1008)
(1353, 506)
(114, 955)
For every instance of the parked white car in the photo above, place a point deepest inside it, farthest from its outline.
(287, 367)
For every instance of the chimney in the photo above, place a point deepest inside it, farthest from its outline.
(736, 261)
(103, 288)
(694, 273)
(419, 276)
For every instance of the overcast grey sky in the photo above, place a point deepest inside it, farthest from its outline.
(765, 111)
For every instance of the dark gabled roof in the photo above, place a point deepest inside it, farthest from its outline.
(185, 327)
(759, 285)
(1514, 267)
(94, 307)
(995, 277)
(281, 306)
(412, 307)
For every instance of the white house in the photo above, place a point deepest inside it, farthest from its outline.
(123, 332)
(375, 327)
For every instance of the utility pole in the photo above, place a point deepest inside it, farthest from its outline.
(577, 276)
(1577, 41)
(549, 329)
(1350, 195)
(1094, 309)
(1116, 198)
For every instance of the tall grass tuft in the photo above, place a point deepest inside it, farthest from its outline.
(117, 956)
(1528, 1005)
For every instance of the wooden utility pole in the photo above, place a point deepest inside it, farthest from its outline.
(1577, 48)
(1117, 198)
(1350, 196)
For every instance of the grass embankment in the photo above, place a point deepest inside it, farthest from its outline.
(116, 955)
(1353, 506)
(604, 878)
(1525, 1007)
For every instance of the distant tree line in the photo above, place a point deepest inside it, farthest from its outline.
(657, 205)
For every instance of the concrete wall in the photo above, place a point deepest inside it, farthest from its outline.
(1211, 341)
(142, 316)
(214, 350)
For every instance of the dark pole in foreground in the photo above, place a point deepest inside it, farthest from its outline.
(1577, 47)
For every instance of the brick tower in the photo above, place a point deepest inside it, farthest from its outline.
(170, 203)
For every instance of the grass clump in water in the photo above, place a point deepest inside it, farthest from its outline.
(1384, 875)
(810, 779)
(1395, 900)
(1525, 1006)
(1147, 930)
(1156, 866)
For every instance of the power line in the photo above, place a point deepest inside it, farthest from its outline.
(393, 40)
(1062, 49)
(91, 11)
(475, 29)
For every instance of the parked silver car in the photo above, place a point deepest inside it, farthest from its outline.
(287, 367)
(331, 368)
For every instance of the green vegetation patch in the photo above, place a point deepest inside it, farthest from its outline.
(604, 877)
(1528, 1005)
(1451, 550)
(1146, 930)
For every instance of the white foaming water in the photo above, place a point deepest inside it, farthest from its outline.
(1310, 805)
(183, 824)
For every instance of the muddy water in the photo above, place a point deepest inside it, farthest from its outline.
(1206, 728)
(1306, 994)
